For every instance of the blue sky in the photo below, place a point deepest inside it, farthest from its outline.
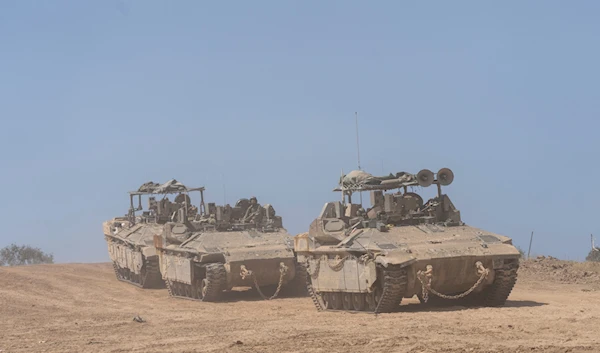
(101, 96)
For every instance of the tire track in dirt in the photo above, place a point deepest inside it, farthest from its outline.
(83, 308)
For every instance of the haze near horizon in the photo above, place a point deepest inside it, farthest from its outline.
(100, 97)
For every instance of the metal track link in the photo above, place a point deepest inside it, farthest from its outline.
(216, 278)
(117, 273)
(214, 283)
(497, 293)
(180, 290)
(394, 287)
(153, 277)
(125, 275)
(313, 295)
(169, 288)
(391, 289)
(297, 287)
(149, 278)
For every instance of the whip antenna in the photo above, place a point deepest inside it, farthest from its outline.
(342, 187)
(224, 189)
(358, 150)
(357, 145)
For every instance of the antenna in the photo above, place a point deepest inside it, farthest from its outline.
(357, 145)
(224, 190)
(342, 186)
(358, 151)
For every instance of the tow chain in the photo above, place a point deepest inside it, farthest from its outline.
(244, 272)
(425, 278)
(380, 300)
(315, 273)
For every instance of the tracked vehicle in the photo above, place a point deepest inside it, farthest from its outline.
(130, 239)
(227, 247)
(368, 260)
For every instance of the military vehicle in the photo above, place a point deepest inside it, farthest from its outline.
(130, 238)
(226, 247)
(368, 260)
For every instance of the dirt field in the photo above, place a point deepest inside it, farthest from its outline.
(83, 308)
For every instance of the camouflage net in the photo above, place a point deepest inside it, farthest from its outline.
(359, 179)
(171, 186)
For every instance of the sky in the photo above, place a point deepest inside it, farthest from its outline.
(258, 98)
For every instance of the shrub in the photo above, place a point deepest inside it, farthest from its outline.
(15, 255)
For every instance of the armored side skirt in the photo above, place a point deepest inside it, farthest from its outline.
(176, 268)
(339, 275)
(125, 256)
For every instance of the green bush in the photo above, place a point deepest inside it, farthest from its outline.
(15, 255)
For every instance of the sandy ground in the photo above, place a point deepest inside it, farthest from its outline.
(83, 308)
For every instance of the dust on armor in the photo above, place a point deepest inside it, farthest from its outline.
(130, 239)
(368, 260)
(224, 247)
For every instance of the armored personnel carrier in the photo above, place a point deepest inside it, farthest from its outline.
(130, 238)
(368, 260)
(226, 247)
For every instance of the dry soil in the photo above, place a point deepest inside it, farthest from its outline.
(555, 307)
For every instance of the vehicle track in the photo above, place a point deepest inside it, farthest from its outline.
(83, 308)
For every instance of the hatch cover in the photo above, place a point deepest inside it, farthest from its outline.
(489, 238)
(387, 246)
